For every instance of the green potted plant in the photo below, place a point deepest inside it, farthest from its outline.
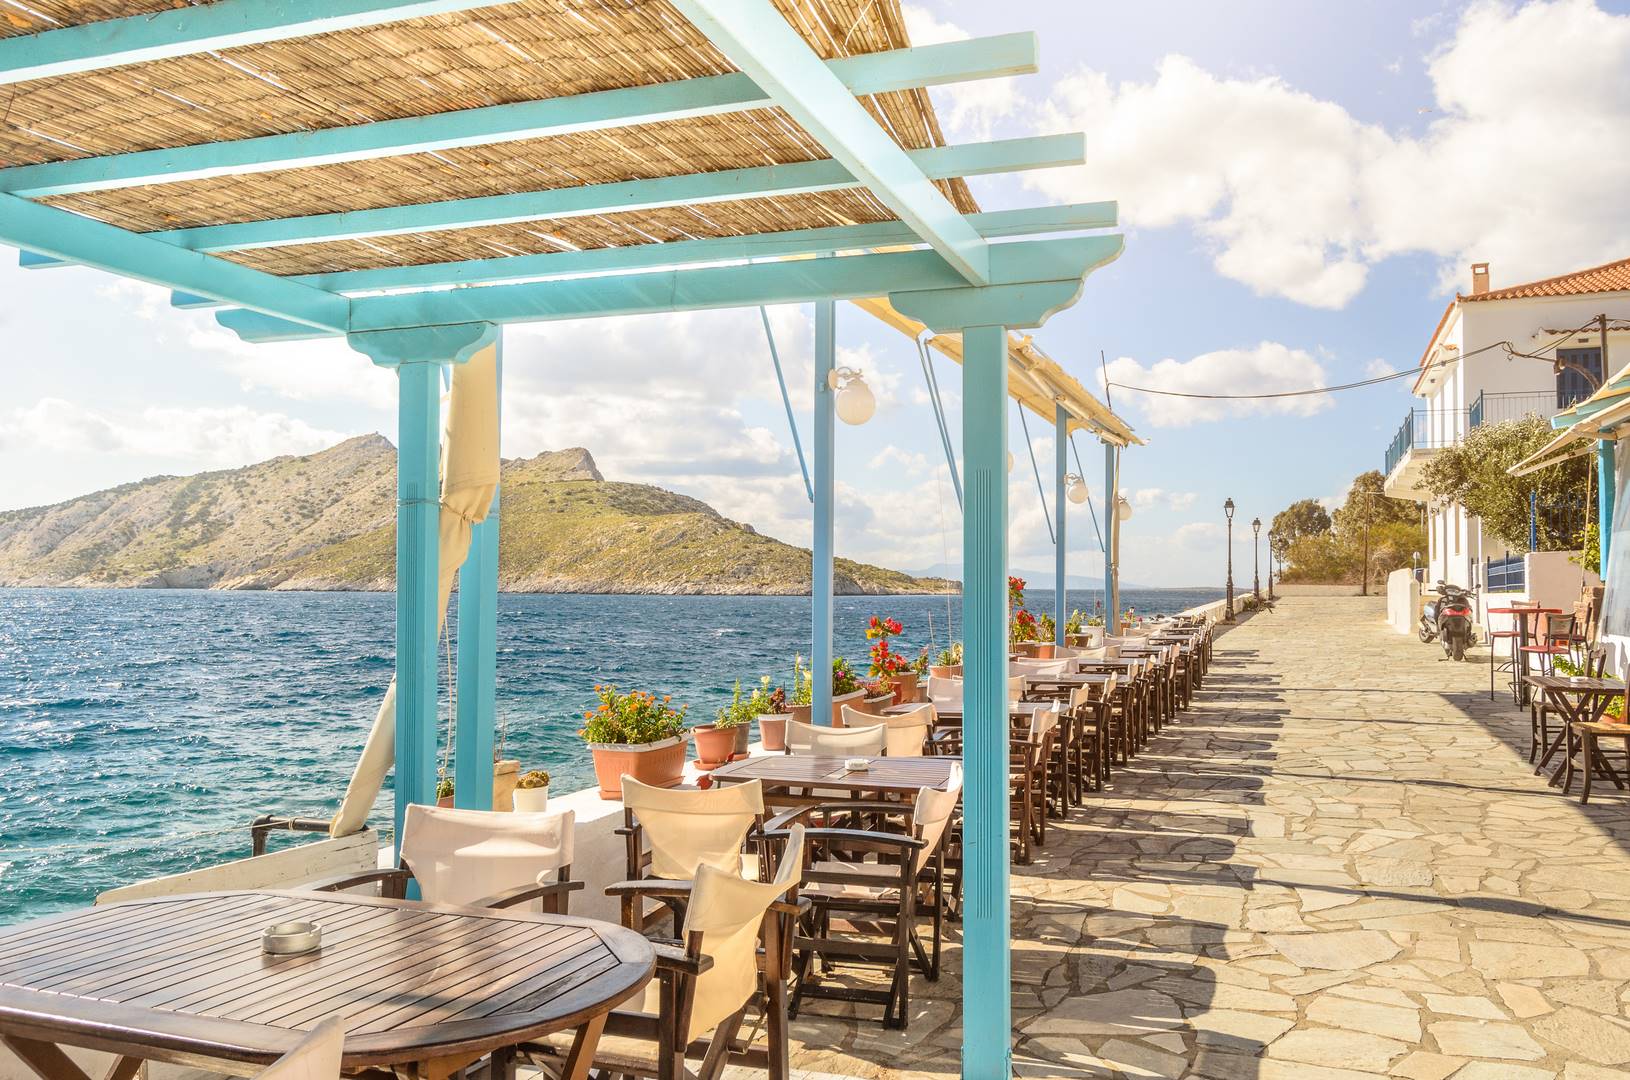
(876, 695)
(635, 734)
(531, 792)
(948, 664)
(845, 688)
(716, 743)
(772, 722)
(1046, 637)
(888, 665)
(444, 789)
(803, 692)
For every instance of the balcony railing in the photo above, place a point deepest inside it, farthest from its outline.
(1434, 429)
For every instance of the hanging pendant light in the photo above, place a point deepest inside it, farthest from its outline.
(1075, 489)
(1123, 508)
(854, 400)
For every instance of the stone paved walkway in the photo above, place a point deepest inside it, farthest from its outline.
(1337, 866)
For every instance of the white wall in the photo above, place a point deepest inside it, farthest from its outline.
(1403, 601)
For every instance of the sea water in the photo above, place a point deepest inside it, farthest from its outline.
(142, 730)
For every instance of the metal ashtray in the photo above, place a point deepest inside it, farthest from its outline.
(291, 938)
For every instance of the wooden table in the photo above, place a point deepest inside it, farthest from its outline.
(1590, 732)
(1577, 700)
(884, 775)
(182, 979)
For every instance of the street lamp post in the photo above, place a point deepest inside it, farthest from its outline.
(1270, 565)
(1256, 558)
(1228, 512)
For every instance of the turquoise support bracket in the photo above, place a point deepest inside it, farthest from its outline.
(478, 658)
(1061, 464)
(820, 580)
(987, 1008)
(1606, 492)
(786, 401)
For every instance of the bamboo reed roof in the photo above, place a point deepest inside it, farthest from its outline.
(527, 50)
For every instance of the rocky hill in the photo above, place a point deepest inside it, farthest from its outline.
(327, 521)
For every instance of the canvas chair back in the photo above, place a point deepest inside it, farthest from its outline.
(314, 1057)
(931, 816)
(1042, 721)
(461, 856)
(836, 742)
(727, 911)
(947, 692)
(908, 732)
(688, 829)
(1015, 687)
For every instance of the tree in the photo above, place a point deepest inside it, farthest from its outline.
(1305, 517)
(1473, 474)
(1367, 507)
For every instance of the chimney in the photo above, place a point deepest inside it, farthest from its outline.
(1480, 278)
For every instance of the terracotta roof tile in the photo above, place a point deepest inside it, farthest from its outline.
(1611, 277)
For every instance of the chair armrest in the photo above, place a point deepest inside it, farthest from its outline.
(861, 836)
(653, 887)
(670, 957)
(778, 825)
(522, 893)
(397, 875)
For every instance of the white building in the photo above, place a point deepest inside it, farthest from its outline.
(1469, 376)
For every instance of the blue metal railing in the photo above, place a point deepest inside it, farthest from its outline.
(1401, 444)
(1509, 574)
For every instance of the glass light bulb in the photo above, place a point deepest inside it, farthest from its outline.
(855, 402)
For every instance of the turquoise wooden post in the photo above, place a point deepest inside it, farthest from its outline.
(987, 1024)
(1061, 447)
(417, 355)
(1606, 481)
(820, 579)
(478, 659)
(1112, 586)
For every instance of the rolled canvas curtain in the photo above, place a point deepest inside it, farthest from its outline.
(469, 479)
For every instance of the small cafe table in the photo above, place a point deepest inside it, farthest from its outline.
(783, 774)
(424, 988)
(1577, 700)
(1525, 620)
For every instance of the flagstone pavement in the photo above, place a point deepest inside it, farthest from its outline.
(1338, 865)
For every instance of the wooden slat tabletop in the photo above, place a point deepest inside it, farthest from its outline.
(181, 977)
(886, 774)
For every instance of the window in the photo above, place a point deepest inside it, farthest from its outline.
(1571, 385)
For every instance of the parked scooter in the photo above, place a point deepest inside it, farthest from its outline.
(1449, 620)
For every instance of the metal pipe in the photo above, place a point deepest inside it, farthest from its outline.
(792, 424)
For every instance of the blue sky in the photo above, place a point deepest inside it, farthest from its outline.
(1302, 186)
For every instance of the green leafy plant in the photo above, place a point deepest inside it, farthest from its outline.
(950, 656)
(920, 665)
(632, 718)
(1047, 629)
(775, 702)
(803, 683)
(444, 786)
(1077, 620)
(1473, 474)
(844, 679)
(744, 710)
(537, 778)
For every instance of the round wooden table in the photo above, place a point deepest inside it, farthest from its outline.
(183, 979)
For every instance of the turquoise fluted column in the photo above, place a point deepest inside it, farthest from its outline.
(1112, 587)
(1061, 464)
(478, 658)
(418, 509)
(820, 581)
(1606, 481)
(987, 1024)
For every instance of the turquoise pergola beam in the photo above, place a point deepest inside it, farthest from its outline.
(871, 73)
(1061, 465)
(758, 40)
(1606, 492)
(89, 242)
(823, 541)
(692, 189)
(187, 31)
(1053, 266)
(641, 257)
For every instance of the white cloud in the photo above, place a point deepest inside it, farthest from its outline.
(1151, 497)
(970, 109)
(1265, 368)
(327, 370)
(200, 438)
(1199, 535)
(1299, 199)
(1378, 368)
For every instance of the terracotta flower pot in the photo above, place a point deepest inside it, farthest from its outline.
(1044, 651)
(660, 764)
(772, 729)
(714, 745)
(744, 736)
(444, 800)
(874, 706)
(850, 699)
(945, 671)
(1026, 648)
(905, 687)
(800, 713)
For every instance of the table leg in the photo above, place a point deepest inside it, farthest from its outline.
(124, 1068)
(47, 1059)
(1589, 738)
(584, 1044)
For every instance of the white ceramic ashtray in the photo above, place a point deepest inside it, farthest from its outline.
(291, 938)
(857, 764)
